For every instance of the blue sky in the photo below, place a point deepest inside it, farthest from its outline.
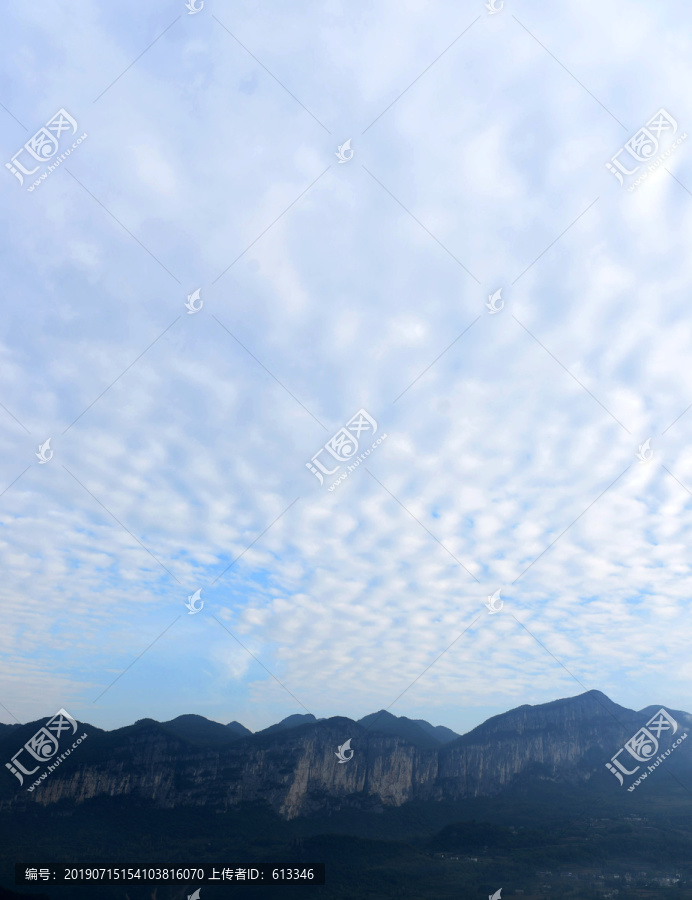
(180, 442)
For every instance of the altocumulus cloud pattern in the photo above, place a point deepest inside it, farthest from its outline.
(242, 245)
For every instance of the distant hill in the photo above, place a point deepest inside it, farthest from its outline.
(199, 730)
(420, 734)
(442, 734)
(289, 722)
(683, 717)
(239, 729)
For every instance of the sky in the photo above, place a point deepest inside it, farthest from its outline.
(340, 286)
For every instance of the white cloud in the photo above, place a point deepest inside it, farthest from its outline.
(346, 300)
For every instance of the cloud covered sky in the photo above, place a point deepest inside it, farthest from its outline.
(180, 441)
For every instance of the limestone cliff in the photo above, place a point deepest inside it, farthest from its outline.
(297, 771)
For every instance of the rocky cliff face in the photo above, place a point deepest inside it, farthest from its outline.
(297, 771)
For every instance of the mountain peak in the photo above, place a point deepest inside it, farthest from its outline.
(293, 721)
(418, 732)
(238, 728)
(199, 730)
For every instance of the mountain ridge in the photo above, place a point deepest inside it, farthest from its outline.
(298, 770)
(188, 722)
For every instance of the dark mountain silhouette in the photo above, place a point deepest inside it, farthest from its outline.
(443, 735)
(239, 729)
(294, 768)
(679, 715)
(289, 722)
(383, 722)
(201, 731)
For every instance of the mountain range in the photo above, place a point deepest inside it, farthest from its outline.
(295, 768)
(394, 807)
